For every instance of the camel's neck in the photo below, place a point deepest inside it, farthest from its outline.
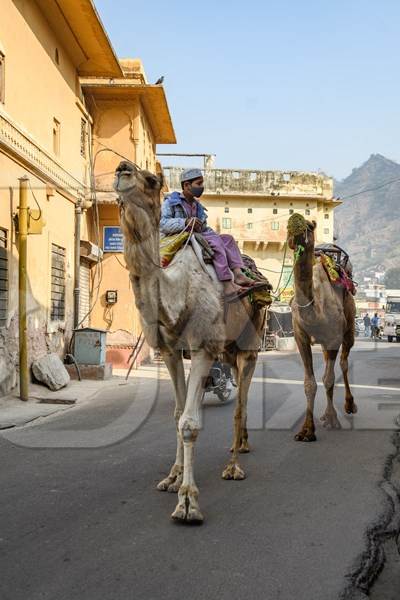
(303, 276)
(142, 254)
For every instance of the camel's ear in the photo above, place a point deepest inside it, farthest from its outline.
(314, 225)
(154, 181)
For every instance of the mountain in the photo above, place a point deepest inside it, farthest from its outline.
(367, 225)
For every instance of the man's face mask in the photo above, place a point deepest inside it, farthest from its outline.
(197, 190)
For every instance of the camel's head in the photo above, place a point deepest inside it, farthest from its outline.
(300, 233)
(139, 196)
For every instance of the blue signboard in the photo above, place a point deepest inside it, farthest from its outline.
(113, 239)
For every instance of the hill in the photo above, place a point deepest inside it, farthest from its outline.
(367, 225)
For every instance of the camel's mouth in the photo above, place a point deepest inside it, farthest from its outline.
(124, 177)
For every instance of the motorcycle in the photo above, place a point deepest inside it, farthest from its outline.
(220, 382)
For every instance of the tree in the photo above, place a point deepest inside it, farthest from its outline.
(392, 278)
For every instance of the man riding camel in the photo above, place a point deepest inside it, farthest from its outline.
(182, 211)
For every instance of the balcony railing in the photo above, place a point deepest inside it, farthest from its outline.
(266, 183)
(20, 144)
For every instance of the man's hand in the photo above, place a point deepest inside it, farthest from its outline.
(195, 223)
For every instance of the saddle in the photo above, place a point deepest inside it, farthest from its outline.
(337, 265)
(340, 256)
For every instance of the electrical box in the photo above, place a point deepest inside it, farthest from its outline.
(90, 346)
(111, 296)
(35, 222)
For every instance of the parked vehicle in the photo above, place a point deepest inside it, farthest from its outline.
(220, 381)
(360, 327)
(391, 328)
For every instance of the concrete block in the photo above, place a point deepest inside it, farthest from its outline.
(94, 372)
(50, 370)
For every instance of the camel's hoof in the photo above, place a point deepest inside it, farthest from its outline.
(350, 407)
(187, 509)
(330, 421)
(179, 513)
(233, 471)
(173, 482)
(194, 516)
(244, 448)
(173, 488)
(305, 436)
(164, 485)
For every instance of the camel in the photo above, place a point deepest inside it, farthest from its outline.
(322, 313)
(180, 307)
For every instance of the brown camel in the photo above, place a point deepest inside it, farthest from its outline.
(322, 313)
(181, 308)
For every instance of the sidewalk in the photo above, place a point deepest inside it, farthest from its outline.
(43, 402)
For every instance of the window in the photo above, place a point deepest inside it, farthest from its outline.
(249, 225)
(57, 312)
(250, 210)
(3, 278)
(275, 225)
(226, 209)
(226, 223)
(308, 211)
(2, 77)
(326, 231)
(274, 211)
(326, 216)
(83, 137)
(56, 137)
(291, 211)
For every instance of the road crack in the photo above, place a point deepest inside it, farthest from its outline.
(386, 528)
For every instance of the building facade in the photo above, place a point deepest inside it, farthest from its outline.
(130, 117)
(254, 207)
(56, 114)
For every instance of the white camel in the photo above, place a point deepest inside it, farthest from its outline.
(181, 308)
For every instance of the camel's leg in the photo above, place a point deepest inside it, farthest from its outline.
(330, 418)
(307, 432)
(187, 508)
(246, 363)
(174, 363)
(350, 406)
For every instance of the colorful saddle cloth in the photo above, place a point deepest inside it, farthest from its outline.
(170, 245)
(337, 273)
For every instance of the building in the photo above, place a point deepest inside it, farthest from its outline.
(254, 207)
(58, 110)
(130, 117)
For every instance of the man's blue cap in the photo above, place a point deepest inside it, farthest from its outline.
(189, 174)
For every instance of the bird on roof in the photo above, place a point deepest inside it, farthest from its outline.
(159, 80)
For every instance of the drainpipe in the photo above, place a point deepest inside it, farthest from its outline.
(77, 288)
(22, 287)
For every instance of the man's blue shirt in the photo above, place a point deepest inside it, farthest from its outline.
(174, 215)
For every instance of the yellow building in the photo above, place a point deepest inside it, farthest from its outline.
(130, 118)
(57, 110)
(254, 207)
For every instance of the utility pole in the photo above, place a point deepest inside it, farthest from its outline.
(77, 285)
(22, 287)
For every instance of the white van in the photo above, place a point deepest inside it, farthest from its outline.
(391, 327)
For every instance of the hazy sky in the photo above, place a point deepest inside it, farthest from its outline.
(284, 84)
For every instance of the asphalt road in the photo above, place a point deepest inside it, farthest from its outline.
(87, 523)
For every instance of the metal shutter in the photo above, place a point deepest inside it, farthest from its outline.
(3, 278)
(57, 283)
(84, 296)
